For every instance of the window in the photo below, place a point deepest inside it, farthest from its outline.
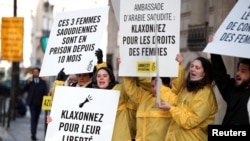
(197, 36)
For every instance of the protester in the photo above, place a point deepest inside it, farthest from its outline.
(82, 79)
(196, 105)
(36, 88)
(104, 79)
(235, 91)
(151, 122)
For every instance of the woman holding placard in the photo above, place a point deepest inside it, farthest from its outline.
(152, 122)
(196, 105)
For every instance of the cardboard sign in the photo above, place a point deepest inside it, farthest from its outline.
(73, 40)
(12, 38)
(149, 37)
(82, 114)
(47, 103)
(233, 37)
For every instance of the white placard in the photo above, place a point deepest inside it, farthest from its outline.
(140, 40)
(73, 40)
(82, 114)
(233, 37)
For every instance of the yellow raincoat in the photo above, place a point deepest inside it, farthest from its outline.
(122, 127)
(145, 83)
(125, 124)
(191, 115)
(151, 122)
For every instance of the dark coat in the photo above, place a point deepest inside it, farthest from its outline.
(236, 98)
(36, 91)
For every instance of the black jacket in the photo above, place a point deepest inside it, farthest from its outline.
(236, 98)
(36, 91)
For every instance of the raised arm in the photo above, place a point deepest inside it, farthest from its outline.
(177, 82)
(134, 91)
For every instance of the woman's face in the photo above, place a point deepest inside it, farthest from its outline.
(103, 79)
(196, 70)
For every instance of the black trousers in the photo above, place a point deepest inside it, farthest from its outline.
(35, 112)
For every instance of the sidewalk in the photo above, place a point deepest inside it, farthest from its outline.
(19, 129)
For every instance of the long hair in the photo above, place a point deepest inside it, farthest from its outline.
(194, 86)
